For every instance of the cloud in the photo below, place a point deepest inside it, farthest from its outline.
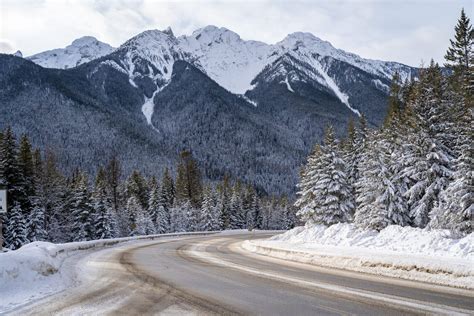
(400, 30)
(6, 47)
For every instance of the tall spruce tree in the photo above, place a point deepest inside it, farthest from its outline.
(188, 181)
(460, 56)
(16, 231)
(81, 210)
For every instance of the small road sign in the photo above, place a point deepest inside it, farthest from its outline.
(3, 201)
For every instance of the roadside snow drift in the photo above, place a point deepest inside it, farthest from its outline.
(433, 256)
(39, 269)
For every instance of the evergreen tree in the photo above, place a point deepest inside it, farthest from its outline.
(209, 215)
(82, 220)
(25, 164)
(15, 232)
(431, 159)
(188, 181)
(224, 192)
(37, 223)
(237, 213)
(138, 187)
(10, 173)
(114, 172)
(153, 201)
(334, 202)
(133, 211)
(460, 56)
(310, 175)
(104, 222)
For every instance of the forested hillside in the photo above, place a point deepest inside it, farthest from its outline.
(46, 205)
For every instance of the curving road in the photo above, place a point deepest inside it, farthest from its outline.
(213, 275)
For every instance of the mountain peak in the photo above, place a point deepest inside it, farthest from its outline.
(81, 50)
(85, 41)
(305, 39)
(168, 31)
(213, 33)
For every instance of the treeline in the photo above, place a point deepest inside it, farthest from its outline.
(46, 205)
(417, 169)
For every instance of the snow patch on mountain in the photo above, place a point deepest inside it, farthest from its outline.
(381, 86)
(288, 86)
(226, 58)
(148, 109)
(81, 51)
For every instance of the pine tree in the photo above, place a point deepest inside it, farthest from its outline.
(430, 159)
(104, 222)
(334, 201)
(133, 211)
(25, 164)
(209, 216)
(138, 187)
(460, 56)
(251, 208)
(163, 220)
(37, 223)
(10, 172)
(15, 232)
(188, 181)
(114, 172)
(82, 226)
(310, 175)
(154, 201)
(237, 214)
(224, 192)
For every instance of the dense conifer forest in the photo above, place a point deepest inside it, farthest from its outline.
(417, 169)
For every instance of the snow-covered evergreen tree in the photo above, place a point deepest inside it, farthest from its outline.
(15, 230)
(237, 213)
(81, 211)
(306, 202)
(103, 212)
(134, 211)
(209, 212)
(332, 198)
(154, 203)
(37, 223)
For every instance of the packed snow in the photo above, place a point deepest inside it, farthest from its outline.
(148, 109)
(405, 252)
(82, 50)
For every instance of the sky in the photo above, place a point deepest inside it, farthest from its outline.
(406, 31)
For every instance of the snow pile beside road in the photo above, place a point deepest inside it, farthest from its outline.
(40, 268)
(405, 252)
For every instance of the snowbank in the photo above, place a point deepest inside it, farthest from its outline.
(40, 268)
(411, 253)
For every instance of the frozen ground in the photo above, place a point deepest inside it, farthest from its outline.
(411, 253)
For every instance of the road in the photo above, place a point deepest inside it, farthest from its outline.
(210, 275)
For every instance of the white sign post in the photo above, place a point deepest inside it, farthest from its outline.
(3, 201)
(3, 209)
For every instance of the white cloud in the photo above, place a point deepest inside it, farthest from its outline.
(405, 31)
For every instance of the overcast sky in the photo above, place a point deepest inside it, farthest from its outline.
(398, 30)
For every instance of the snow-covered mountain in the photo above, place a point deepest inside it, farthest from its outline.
(226, 58)
(82, 50)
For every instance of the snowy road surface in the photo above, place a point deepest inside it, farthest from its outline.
(213, 275)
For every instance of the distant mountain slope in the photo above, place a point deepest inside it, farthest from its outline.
(81, 50)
